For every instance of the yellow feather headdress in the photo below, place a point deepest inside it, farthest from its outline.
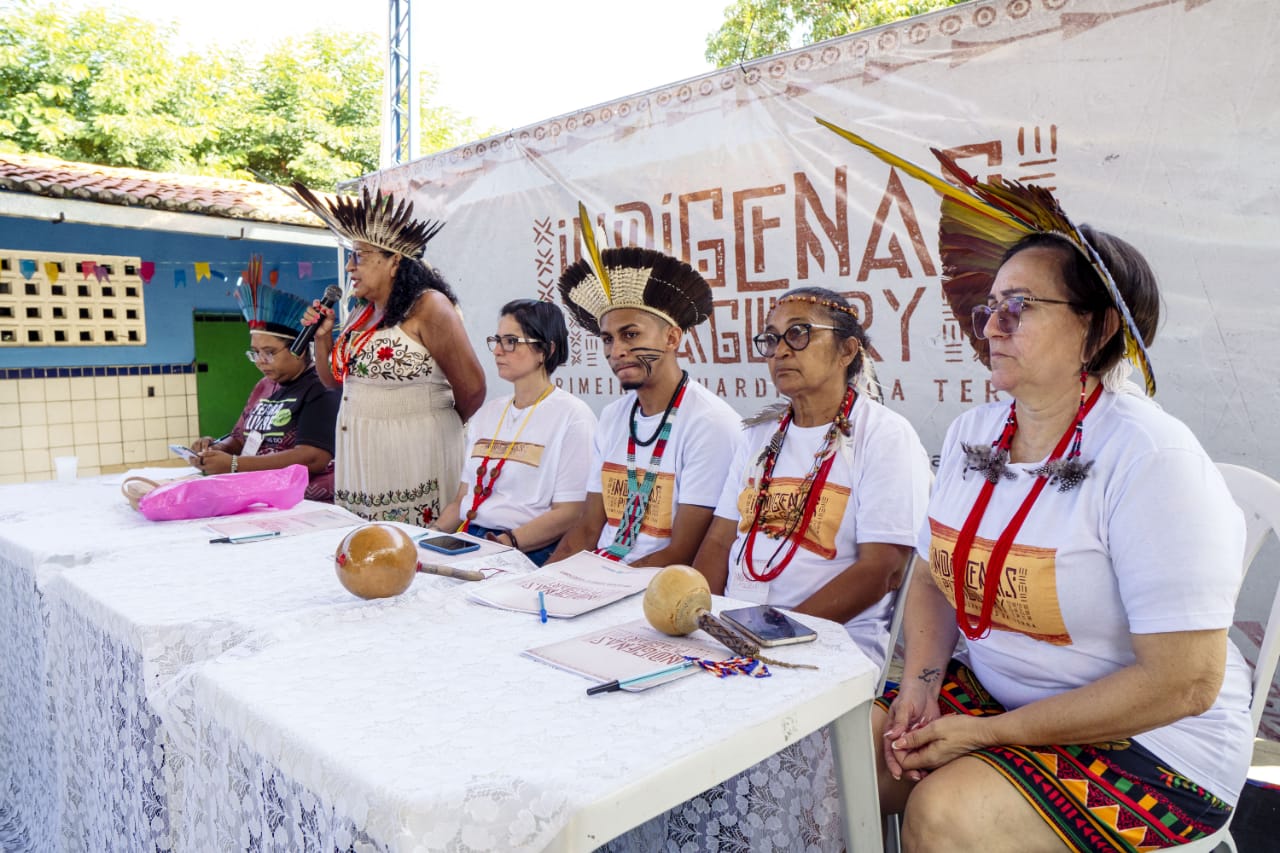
(980, 221)
(631, 277)
(372, 218)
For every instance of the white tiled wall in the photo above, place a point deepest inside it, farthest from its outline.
(109, 422)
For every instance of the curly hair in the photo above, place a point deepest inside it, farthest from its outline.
(412, 278)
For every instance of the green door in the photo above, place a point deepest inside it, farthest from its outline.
(224, 377)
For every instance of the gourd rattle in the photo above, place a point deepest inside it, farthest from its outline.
(678, 602)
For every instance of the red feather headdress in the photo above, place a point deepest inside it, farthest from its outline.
(980, 221)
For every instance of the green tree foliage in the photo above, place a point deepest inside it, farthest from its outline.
(100, 86)
(755, 28)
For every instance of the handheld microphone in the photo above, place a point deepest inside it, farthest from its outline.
(332, 294)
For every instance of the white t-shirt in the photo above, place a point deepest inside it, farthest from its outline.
(704, 436)
(876, 491)
(547, 465)
(1150, 542)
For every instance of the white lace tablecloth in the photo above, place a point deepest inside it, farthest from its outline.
(120, 600)
(46, 528)
(419, 726)
(120, 628)
(161, 693)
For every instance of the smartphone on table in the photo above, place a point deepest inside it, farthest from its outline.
(448, 544)
(768, 626)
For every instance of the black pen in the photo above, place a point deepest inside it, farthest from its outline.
(236, 540)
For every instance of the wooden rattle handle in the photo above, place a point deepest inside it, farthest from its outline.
(737, 643)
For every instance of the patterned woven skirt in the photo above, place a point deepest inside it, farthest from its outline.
(1097, 797)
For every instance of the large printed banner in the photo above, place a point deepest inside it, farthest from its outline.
(1158, 120)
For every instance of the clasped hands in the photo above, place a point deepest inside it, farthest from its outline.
(918, 738)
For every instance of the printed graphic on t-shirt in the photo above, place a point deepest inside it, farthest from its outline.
(525, 452)
(1027, 597)
(270, 415)
(659, 515)
(784, 500)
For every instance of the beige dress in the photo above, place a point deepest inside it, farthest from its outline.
(399, 439)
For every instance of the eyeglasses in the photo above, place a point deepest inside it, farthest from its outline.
(358, 257)
(1008, 313)
(508, 342)
(266, 356)
(796, 336)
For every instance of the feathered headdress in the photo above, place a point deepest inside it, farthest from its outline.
(980, 221)
(267, 309)
(372, 218)
(632, 278)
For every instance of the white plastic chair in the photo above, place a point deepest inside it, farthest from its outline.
(895, 623)
(1258, 497)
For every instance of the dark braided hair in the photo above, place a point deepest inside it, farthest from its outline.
(413, 277)
(845, 322)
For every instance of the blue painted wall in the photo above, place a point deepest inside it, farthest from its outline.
(168, 307)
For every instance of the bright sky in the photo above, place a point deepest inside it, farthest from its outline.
(507, 63)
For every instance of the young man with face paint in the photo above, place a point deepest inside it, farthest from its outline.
(662, 451)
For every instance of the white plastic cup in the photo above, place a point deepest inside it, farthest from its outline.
(66, 468)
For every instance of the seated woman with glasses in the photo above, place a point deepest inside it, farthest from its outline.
(1089, 552)
(822, 502)
(289, 417)
(828, 490)
(526, 479)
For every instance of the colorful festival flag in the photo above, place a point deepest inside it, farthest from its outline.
(51, 271)
(274, 277)
(304, 270)
(202, 270)
(28, 268)
(147, 271)
(101, 273)
(87, 268)
(179, 278)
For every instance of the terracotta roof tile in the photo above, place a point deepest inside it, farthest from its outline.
(224, 197)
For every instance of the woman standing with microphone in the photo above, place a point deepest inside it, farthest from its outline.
(408, 374)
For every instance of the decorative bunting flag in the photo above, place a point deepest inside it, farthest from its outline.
(51, 271)
(179, 278)
(101, 273)
(28, 268)
(202, 270)
(304, 270)
(147, 271)
(274, 277)
(87, 268)
(218, 274)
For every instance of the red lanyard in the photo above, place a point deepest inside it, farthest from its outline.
(341, 355)
(995, 565)
(811, 499)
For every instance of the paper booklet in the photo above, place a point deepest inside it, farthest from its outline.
(285, 525)
(625, 651)
(570, 587)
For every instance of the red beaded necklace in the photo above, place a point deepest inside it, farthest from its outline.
(481, 492)
(964, 543)
(810, 490)
(344, 352)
